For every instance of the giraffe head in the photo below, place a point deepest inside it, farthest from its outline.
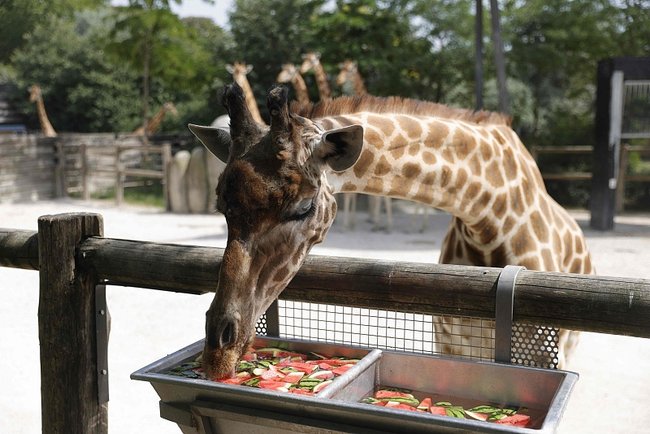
(287, 74)
(34, 93)
(347, 72)
(277, 203)
(169, 107)
(239, 70)
(309, 61)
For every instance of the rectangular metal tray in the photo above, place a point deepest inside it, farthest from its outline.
(202, 406)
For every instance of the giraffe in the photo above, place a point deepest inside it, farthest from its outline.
(36, 96)
(311, 61)
(290, 73)
(154, 123)
(239, 70)
(350, 80)
(277, 194)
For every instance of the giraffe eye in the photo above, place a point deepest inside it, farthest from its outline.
(304, 209)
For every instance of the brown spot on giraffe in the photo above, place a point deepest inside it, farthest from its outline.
(500, 206)
(463, 143)
(429, 158)
(547, 258)
(281, 274)
(383, 167)
(472, 191)
(493, 175)
(398, 146)
(521, 243)
(510, 164)
(410, 126)
(385, 125)
(375, 185)
(374, 138)
(411, 171)
(363, 163)
(486, 150)
(540, 227)
(438, 133)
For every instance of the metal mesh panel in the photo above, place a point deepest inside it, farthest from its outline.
(636, 109)
(535, 346)
(260, 327)
(465, 337)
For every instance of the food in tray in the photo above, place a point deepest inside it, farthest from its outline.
(404, 400)
(278, 369)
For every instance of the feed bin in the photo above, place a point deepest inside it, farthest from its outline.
(202, 406)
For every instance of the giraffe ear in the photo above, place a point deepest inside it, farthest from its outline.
(217, 140)
(340, 148)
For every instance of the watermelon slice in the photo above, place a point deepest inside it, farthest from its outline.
(320, 386)
(322, 375)
(385, 393)
(274, 385)
(436, 409)
(476, 415)
(294, 377)
(399, 406)
(425, 404)
(515, 420)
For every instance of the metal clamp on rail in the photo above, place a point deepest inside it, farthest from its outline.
(505, 298)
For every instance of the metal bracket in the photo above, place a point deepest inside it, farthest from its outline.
(102, 325)
(505, 298)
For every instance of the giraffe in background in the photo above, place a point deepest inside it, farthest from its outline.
(470, 164)
(239, 70)
(351, 82)
(36, 96)
(290, 74)
(154, 123)
(311, 62)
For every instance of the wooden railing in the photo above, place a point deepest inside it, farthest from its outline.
(585, 150)
(75, 263)
(116, 169)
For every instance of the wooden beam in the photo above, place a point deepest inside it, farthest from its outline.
(67, 328)
(581, 302)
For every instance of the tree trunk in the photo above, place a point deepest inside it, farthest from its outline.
(499, 58)
(478, 72)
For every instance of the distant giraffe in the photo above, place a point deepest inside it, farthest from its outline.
(291, 74)
(36, 96)
(277, 196)
(154, 123)
(239, 70)
(311, 61)
(351, 82)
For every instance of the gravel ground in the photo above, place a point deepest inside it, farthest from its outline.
(610, 397)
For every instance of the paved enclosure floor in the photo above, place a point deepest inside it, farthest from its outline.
(611, 396)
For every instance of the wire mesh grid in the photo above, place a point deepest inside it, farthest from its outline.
(636, 109)
(465, 337)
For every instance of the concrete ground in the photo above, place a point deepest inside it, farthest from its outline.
(611, 395)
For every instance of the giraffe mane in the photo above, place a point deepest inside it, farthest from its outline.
(394, 104)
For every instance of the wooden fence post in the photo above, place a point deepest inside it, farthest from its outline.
(59, 171)
(166, 161)
(85, 188)
(119, 177)
(67, 327)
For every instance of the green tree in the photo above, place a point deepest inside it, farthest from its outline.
(19, 17)
(153, 40)
(82, 90)
(268, 33)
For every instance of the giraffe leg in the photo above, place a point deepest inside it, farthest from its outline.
(464, 337)
(389, 213)
(567, 343)
(349, 210)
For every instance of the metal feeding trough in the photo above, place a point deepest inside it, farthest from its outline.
(207, 407)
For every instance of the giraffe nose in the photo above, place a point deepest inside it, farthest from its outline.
(223, 334)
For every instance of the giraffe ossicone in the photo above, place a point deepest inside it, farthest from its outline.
(277, 189)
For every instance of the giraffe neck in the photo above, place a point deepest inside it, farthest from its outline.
(321, 82)
(359, 87)
(249, 97)
(46, 126)
(300, 87)
(481, 174)
(155, 121)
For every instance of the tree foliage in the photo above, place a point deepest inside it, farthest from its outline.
(100, 65)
